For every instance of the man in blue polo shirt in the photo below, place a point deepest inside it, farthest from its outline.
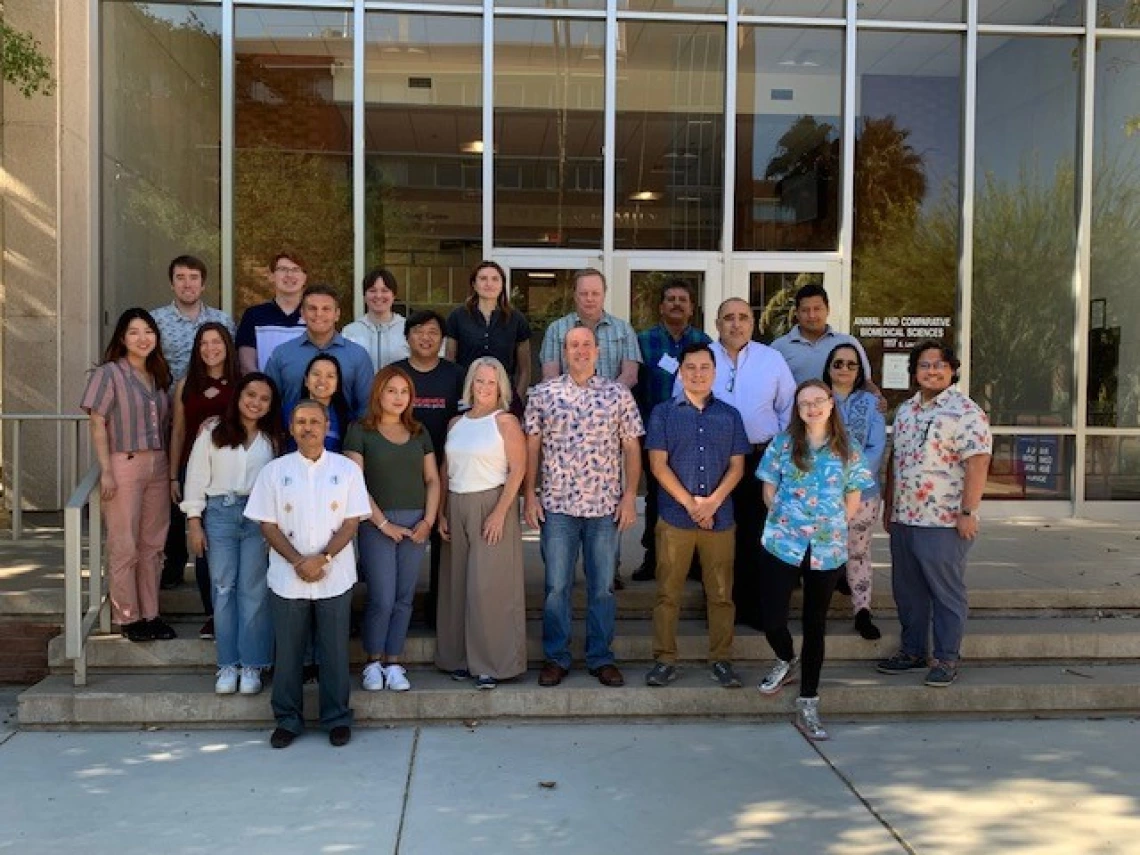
(806, 345)
(320, 311)
(697, 446)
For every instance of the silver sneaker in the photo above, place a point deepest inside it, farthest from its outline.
(782, 672)
(807, 719)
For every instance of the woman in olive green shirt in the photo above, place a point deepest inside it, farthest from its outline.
(396, 455)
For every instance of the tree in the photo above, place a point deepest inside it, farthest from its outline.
(23, 62)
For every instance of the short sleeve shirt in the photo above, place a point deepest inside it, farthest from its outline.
(393, 472)
(475, 336)
(617, 342)
(806, 358)
(265, 327)
(931, 443)
(137, 418)
(809, 508)
(437, 397)
(699, 444)
(582, 430)
(309, 500)
(178, 333)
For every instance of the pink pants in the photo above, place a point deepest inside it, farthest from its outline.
(137, 518)
(859, 574)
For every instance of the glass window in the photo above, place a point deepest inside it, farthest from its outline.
(941, 11)
(549, 95)
(551, 4)
(789, 96)
(696, 6)
(1031, 467)
(1114, 319)
(772, 296)
(798, 8)
(907, 153)
(293, 157)
(543, 294)
(423, 178)
(1118, 13)
(670, 136)
(160, 163)
(1025, 220)
(645, 295)
(1112, 467)
(1045, 12)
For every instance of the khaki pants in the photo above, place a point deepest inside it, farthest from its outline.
(136, 518)
(674, 555)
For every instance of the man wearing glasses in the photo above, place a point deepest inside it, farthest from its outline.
(935, 480)
(264, 326)
(756, 380)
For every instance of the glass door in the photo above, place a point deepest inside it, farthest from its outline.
(770, 288)
(639, 281)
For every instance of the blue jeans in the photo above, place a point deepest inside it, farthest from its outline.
(239, 560)
(561, 538)
(928, 579)
(391, 571)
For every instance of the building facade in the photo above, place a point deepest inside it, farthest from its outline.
(967, 169)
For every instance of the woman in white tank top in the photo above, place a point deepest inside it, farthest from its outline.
(481, 621)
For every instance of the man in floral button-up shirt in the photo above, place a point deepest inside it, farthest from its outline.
(941, 454)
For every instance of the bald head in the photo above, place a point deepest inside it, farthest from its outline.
(734, 324)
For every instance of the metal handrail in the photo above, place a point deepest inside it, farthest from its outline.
(17, 420)
(78, 622)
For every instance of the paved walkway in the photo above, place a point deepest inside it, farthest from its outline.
(966, 788)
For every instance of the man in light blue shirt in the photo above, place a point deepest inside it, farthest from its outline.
(320, 311)
(806, 345)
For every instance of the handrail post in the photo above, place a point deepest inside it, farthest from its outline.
(17, 486)
(95, 557)
(73, 586)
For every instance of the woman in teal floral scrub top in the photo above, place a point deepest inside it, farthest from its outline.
(812, 476)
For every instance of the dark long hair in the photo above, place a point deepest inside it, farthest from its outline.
(371, 418)
(836, 434)
(472, 303)
(156, 364)
(230, 432)
(338, 403)
(197, 375)
(860, 374)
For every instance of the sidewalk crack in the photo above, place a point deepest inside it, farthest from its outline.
(407, 791)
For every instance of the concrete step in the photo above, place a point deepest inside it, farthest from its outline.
(848, 692)
(987, 639)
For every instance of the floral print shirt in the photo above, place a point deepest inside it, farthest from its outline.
(932, 442)
(582, 430)
(809, 508)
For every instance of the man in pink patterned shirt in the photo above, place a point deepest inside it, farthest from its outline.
(582, 436)
(941, 454)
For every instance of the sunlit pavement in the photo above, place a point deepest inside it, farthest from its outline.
(1061, 787)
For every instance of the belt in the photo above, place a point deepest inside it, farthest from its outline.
(230, 498)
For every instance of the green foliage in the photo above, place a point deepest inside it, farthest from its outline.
(23, 63)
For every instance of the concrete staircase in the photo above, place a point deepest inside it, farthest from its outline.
(1038, 652)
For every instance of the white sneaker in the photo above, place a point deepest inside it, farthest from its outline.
(227, 682)
(782, 672)
(250, 680)
(373, 679)
(396, 678)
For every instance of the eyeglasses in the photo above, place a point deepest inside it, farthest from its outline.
(292, 271)
(731, 378)
(814, 403)
(849, 364)
(936, 365)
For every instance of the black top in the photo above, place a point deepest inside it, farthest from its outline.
(475, 337)
(437, 397)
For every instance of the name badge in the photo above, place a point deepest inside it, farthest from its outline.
(668, 364)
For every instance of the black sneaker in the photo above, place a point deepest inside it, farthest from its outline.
(137, 631)
(340, 735)
(865, 626)
(661, 674)
(160, 629)
(900, 663)
(206, 633)
(282, 738)
(725, 674)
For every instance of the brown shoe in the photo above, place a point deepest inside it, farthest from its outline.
(608, 675)
(551, 674)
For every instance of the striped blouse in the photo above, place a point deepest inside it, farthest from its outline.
(137, 418)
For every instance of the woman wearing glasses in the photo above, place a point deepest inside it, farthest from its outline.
(812, 476)
(867, 431)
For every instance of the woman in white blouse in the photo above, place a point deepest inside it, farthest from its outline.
(223, 466)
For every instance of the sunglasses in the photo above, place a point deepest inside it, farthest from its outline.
(849, 364)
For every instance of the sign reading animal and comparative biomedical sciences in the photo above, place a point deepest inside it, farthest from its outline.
(898, 335)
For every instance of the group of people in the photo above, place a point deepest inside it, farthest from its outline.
(292, 460)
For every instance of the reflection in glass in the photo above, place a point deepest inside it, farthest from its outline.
(1025, 222)
(773, 300)
(1055, 13)
(1118, 13)
(1031, 467)
(292, 163)
(693, 6)
(670, 136)
(789, 105)
(797, 8)
(161, 109)
(645, 295)
(1114, 334)
(549, 93)
(423, 178)
(943, 11)
(1112, 467)
(543, 295)
(550, 4)
(905, 264)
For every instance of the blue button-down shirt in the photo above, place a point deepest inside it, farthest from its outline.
(654, 379)
(288, 363)
(699, 444)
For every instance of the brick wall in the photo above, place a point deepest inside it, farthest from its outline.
(24, 649)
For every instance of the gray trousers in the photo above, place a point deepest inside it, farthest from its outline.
(295, 622)
(928, 577)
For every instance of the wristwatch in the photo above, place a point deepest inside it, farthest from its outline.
(328, 557)
(968, 513)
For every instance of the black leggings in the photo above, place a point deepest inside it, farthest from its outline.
(776, 582)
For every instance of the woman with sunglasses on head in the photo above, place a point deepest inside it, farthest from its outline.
(811, 479)
(224, 464)
(129, 406)
(866, 429)
(204, 393)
